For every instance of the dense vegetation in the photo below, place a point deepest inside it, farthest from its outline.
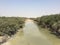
(10, 25)
(52, 22)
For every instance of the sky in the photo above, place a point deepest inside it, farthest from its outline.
(29, 8)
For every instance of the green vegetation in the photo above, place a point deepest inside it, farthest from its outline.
(52, 22)
(10, 25)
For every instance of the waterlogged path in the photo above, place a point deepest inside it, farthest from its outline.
(32, 36)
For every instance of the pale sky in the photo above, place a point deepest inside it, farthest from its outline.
(29, 8)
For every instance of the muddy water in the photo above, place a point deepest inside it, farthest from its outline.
(31, 36)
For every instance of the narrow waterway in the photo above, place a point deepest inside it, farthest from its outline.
(31, 36)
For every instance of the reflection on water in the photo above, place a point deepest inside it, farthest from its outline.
(31, 36)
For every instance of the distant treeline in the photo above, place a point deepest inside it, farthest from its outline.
(10, 25)
(52, 22)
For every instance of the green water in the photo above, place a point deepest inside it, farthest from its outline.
(55, 40)
(17, 39)
(33, 35)
(29, 35)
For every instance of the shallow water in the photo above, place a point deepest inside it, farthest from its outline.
(53, 38)
(32, 36)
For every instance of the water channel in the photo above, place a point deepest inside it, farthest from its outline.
(31, 36)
